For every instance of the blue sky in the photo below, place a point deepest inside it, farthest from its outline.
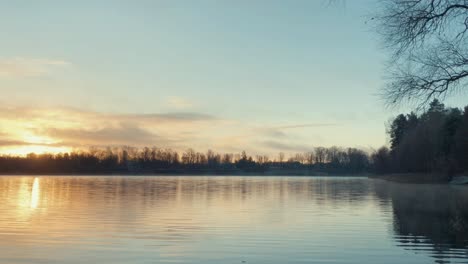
(306, 72)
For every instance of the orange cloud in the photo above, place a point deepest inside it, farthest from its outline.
(61, 128)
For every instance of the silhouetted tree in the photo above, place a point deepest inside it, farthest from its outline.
(434, 142)
(281, 157)
(429, 46)
(130, 160)
(381, 160)
(320, 154)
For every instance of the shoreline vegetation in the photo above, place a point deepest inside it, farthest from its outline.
(431, 147)
(156, 161)
(428, 59)
(428, 147)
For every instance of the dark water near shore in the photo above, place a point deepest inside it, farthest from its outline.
(230, 220)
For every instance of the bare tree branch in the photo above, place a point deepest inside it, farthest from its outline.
(429, 48)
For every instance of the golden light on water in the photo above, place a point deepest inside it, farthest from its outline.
(35, 193)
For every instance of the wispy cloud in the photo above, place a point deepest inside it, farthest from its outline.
(286, 146)
(308, 125)
(73, 127)
(6, 142)
(76, 128)
(28, 67)
(279, 131)
(176, 102)
(173, 116)
(118, 135)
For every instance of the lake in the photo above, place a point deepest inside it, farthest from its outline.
(125, 219)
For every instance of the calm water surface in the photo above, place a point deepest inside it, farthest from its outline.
(230, 220)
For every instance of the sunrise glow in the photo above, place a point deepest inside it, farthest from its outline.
(36, 139)
(37, 149)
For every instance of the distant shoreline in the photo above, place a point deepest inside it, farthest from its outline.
(410, 178)
(413, 178)
(254, 174)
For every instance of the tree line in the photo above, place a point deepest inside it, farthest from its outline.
(131, 160)
(433, 142)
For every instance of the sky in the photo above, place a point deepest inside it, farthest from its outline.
(261, 76)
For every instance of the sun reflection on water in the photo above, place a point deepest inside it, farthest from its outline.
(35, 194)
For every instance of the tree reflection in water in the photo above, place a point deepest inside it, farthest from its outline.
(431, 218)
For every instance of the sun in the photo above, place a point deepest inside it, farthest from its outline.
(37, 149)
(35, 139)
(37, 144)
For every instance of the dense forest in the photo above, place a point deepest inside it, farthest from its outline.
(129, 160)
(434, 142)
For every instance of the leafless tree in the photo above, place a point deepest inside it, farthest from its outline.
(320, 153)
(227, 158)
(309, 157)
(429, 48)
(281, 157)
